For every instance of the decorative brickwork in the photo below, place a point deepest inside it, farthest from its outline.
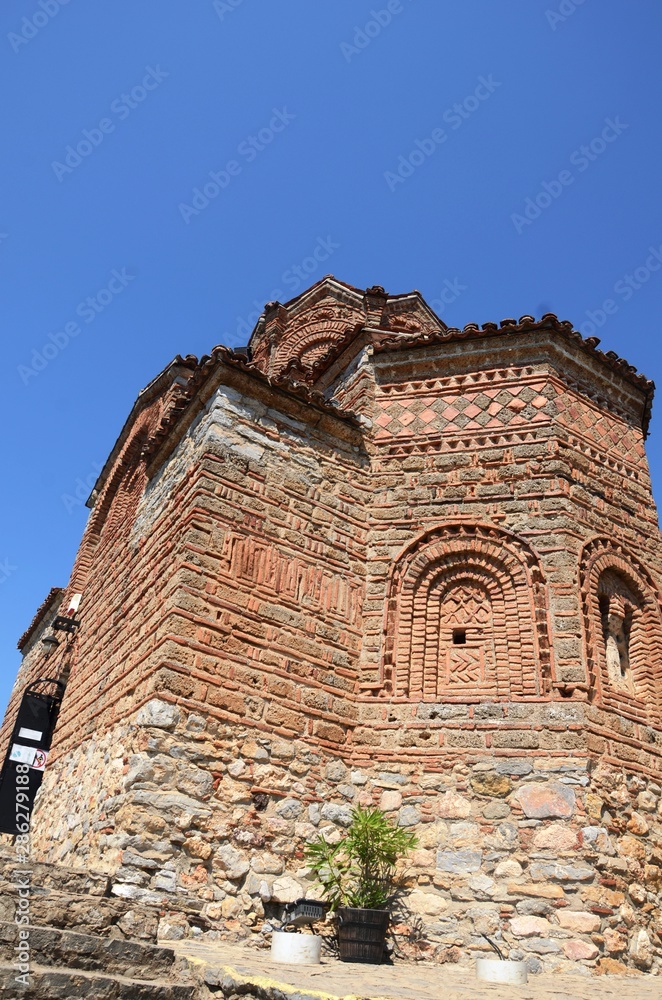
(309, 333)
(623, 627)
(372, 560)
(485, 403)
(467, 617)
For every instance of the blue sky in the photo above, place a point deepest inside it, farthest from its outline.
(502, 156)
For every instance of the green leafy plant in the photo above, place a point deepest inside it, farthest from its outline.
(361, 869)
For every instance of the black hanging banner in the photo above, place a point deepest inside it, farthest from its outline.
(24, 764)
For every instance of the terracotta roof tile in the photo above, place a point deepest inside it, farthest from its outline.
(527, 324)
(45, 606)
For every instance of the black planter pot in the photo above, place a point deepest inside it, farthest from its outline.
(361, 934)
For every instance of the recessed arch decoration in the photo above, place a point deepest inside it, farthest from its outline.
(314, 342)
(467, 617)
(622, 618)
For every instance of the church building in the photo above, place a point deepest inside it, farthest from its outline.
(370, 559)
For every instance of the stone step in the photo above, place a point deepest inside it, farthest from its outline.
(50, 946)
(109, 916)
(48, 876)
(74, 984)
(88, 902)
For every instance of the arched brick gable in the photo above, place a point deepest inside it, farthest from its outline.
(316, 341)
(471, 579)
(116, 507)
(609, 573)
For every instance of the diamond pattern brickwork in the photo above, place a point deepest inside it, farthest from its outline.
(585, 420)
(487, 402)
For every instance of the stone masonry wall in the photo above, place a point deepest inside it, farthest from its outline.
(206, 821)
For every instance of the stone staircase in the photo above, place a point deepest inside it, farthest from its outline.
(83, 942)
(64, 964)
(83, 901)
(70, 984)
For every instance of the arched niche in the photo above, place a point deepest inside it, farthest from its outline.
(466, 617)
(622, 621)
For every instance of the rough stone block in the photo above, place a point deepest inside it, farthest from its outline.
(161, 714)
(540, 800)
(459, 862)
(579, 950)
(452, 805)
(579, 921)
(529, 926)
(491, 783)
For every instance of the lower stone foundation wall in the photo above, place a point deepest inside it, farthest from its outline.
(555, 856)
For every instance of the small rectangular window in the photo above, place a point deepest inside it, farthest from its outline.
(459, 636)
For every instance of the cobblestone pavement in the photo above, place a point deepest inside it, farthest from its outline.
(333, 980)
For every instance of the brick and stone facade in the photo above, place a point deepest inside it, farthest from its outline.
(374, 560)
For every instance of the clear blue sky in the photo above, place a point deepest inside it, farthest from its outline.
(404, 151)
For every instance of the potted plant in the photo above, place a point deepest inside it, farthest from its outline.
(360, 880)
